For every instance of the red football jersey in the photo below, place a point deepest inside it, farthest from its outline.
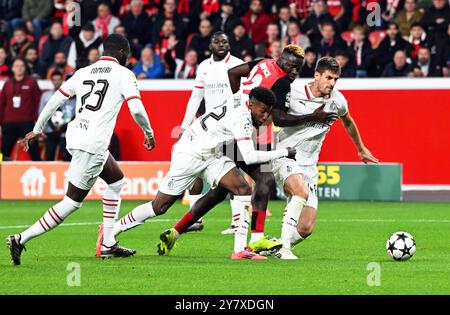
(265, 74)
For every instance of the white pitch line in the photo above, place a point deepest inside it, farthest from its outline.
(5, 227)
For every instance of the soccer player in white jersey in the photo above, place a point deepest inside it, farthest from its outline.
(101, 89)
(198, 153)
(299, 177)
(213, 86)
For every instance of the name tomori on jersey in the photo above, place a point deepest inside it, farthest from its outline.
(101, 70)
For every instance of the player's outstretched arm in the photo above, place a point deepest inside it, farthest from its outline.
(192, 106)
(235, 74)
(283, 119)
(139, 114)
(352, 130)
(49, 109)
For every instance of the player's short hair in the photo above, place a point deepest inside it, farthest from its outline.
(57, 73)
(294, 50)
(217, 34)
(114, 43)
(328, 63)
(263, 95)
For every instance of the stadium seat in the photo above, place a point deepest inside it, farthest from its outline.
(376, 37)
(347, 36)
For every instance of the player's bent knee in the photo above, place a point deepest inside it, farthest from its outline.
(242, 190)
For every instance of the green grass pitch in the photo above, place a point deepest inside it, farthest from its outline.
(335, 260)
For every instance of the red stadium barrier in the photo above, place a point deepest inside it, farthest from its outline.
(401, 120)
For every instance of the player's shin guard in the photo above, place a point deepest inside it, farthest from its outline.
(134, 218)
(258, 222)
(241, 220)
(53, 217)
(111, 208)
(290, 219)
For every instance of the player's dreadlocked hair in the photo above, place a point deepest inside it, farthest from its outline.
(294, 50)
(328, 63)
(263, 95)
(116, 45)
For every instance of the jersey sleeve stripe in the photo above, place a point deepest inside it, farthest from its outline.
(64, 93)
(198, 87)
(244, 138)
(131, 97)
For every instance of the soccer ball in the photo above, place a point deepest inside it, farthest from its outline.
(57, 119)
(401, 246)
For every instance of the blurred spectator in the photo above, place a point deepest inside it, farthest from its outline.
(330, 43)
(32, 63)
(183, 69)
(425, 65)
(81, 45)
(362, 52)
(138, 25)
(55, 42)
(347, 67)
(4, 68)
(443, 53)
(200, 42)
(36, 15)
(341, 11)
(169, 12)
(255, 22)
(275, 50)
(240, 43)
(93, 55)
(19, 43)
(295, 37)
(10, 15)
(409, 15)
(309, 65)
(388, 46)
(19, 103)
(300, 9)
(435, 21)
(418, 38)
(105, 21)
(318, 16)
(398, 67)
(389, 9)
(284, 17)
(54, 130)
(226, 20)
(168, 42)
(209, 8)
(150, 66)
(60, 65)
(273, 34)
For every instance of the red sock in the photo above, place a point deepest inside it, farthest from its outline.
(258, 221)
(186, 221)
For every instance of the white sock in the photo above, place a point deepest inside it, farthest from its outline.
(134, 218)
(53, 217)
(192, 200)
(296, 238)
(111, 208)
(234, 211)
(256, 237)
(290, 219)
(242, 220)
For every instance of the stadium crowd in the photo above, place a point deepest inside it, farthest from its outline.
(50, 39)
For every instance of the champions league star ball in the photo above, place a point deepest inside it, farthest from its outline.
(401, 246)
(58, 119)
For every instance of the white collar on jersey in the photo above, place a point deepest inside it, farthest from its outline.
(108, 58)
(224, 60)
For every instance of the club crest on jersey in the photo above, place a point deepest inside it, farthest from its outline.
(333, 106)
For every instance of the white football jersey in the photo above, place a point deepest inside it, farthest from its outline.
(212, 76)
(101, 89)
(224, 124)
(307, 138)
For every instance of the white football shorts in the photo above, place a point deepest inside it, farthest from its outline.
(85, 167)
(284, 167)
(185, 168)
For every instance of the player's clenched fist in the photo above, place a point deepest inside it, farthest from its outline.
(149, 143)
